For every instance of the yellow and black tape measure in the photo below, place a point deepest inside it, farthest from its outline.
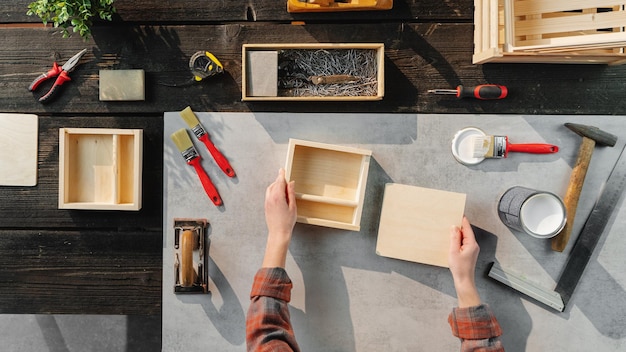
(203, 64)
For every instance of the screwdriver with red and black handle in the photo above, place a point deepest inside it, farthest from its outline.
(482, 92)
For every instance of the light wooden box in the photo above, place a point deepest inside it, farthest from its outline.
(261, 69)
(559, 31)
(100, 168)
(330, 183)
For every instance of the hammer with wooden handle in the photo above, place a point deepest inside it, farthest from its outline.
(591, 136)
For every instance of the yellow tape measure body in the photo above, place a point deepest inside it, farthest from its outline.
(203, 64)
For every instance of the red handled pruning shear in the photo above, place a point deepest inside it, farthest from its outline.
(61, 72)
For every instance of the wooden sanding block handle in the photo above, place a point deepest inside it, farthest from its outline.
(187, 272)
(576, 182)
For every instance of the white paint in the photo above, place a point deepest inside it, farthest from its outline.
(463, 145)
(543, 215)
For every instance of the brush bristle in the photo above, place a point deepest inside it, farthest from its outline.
(189, 117)
(483, 147)
(182, 140)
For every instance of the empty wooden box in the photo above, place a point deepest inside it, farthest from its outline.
(330, 183)
(100, 168)
(269, 72)
(560, 31)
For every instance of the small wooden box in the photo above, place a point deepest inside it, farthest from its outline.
(330, 183)
(257, 69)
(100, 168)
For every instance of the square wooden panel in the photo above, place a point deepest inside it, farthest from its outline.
(330, 182)
(415, 223)
(100, 168)
(18, 149)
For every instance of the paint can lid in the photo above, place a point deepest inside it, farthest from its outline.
(463, 145)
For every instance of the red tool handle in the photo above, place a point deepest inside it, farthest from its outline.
(63, 77)
(220, 159)
(535, 148)
(54, 71)
(209, 188)
(482, 92)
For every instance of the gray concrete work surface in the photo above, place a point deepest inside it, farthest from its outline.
(347, 298)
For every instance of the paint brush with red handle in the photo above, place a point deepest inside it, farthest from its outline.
(202, 135)
(189, 152)
(499, 147)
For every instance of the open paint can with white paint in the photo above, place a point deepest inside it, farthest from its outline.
(463, 145)
(537, 213)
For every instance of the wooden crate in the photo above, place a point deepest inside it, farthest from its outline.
(100, 168)
(330, 182)
(534, 31)
(260, 68)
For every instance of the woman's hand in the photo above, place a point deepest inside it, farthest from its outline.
(280, 216)
(462, 260)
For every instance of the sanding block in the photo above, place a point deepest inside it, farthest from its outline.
(122, 85)
(263, 72)
(191, 260)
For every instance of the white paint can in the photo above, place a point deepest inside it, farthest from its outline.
(537, 213)
(463, 145)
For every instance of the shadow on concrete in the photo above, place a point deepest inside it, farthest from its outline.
(396, 129)
(52, 334)
(329, 320)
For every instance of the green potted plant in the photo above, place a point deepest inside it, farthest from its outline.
(78, 14)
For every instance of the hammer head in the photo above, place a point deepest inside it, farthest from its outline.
(599, 136)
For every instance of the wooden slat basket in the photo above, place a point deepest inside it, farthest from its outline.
(561, 31)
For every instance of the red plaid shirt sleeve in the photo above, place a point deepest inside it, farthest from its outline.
(477, 328)
(268, 324)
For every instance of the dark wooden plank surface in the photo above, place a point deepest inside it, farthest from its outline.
(257, 10)
(418, 57)
(80, 272)
(37, 207)
(63, 261)
(82, 261)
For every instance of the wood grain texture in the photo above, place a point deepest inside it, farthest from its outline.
(254, 10)
(80, 272)
(36, 207)
(187, 272)
(18, 149)
(418, 57)
(415, 223)
(330, 182)
(100, 168)
(572, 194)
(73, 261)
(76, 261)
